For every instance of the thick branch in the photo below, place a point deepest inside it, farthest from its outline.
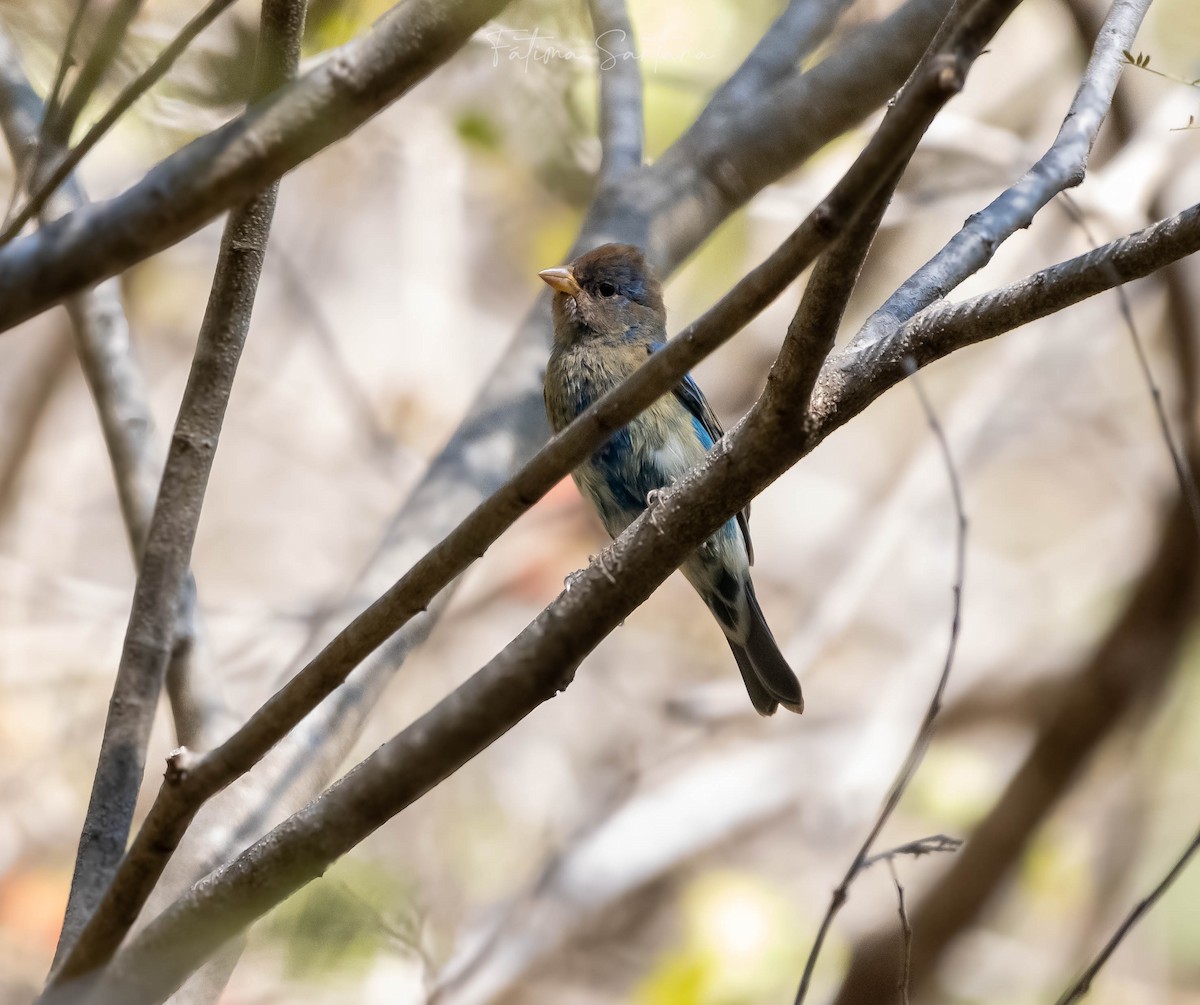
(891, 145)
(539, 662)
(167, 553)
(549, 648)
(478, 458)
(228, 166)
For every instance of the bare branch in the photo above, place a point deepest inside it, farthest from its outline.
(925, 731)
(906, 931)
(729, 154)
(622, 129)
(1061, 167)
(1131, 664)
(1083, 985)
(58, 129)
(228, 166)
(802, 26)
(915, 849)
(177, 804)
(1183, 470)
(167, 553)
(944, 328)
(814, 326)
(64, 166)
(477, 460)
(543, 657)
(106, 356)
(66, 60)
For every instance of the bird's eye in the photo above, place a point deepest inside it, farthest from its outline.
(606, 290)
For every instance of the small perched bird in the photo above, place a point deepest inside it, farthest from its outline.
(608, 316)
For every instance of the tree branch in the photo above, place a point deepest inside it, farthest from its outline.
(64, 166)
(474, 715)
(924, 736)
(802, 26)
(58, 129)
(730, 153)
(478, 458)
(1079, 989)
(169, 538)
(622, 129)
(1061, 167)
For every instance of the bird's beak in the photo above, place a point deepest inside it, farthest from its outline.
(560, 280)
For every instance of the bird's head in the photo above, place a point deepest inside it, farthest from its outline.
(608, 292)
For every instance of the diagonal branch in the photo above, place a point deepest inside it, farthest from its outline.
(529, 671)
(167, 553)
(622, 129)
(479, 457)
(145, 80)
(198, 780)
(229, 165)
(802, 26)
(116, 384)
(1061, 167)
(476, 714)
(58, 129)
(1083, 984)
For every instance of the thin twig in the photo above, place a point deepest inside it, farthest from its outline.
(1084, 983)
(915, 849)
(1183, 470)
(66, 60)
(925, 732)
(58, 129)
(167, 554)
(906, 931)
(622, 128)
(123, 102)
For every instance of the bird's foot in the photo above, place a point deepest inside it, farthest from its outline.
(653, 498)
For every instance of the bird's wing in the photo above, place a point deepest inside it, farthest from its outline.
(692, 398)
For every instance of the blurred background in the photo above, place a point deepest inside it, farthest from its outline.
(643, 837)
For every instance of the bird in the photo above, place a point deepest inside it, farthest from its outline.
(609, 315)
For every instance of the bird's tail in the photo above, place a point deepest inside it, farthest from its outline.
(769, 680)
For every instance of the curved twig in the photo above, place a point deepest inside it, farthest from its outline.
(925, 731)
